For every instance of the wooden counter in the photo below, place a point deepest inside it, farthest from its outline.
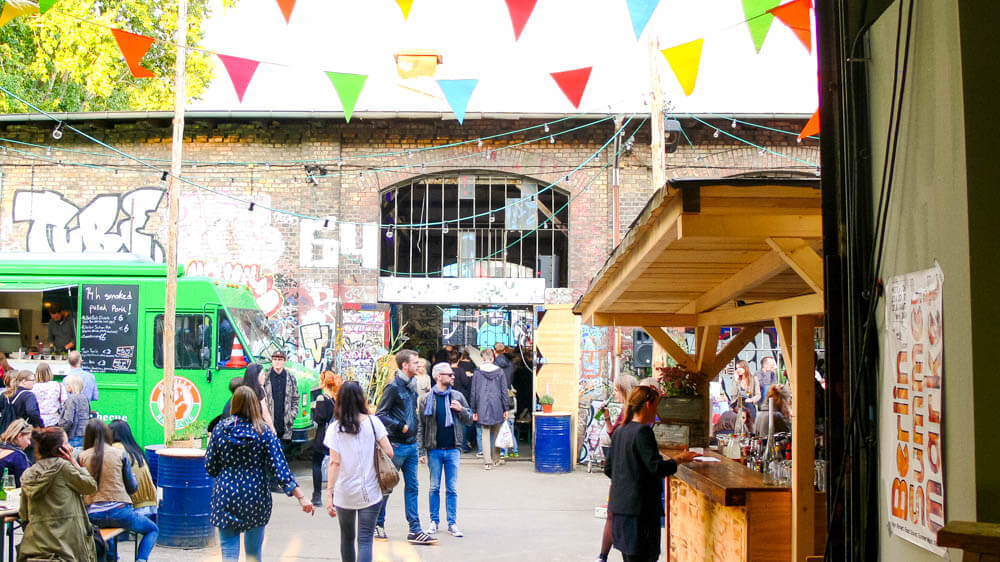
(726, 512)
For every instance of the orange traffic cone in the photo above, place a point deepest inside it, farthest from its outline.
(236, 359)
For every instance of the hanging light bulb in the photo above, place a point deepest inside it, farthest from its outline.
(444, 228)
(546, 127)
(493, 218)
(57, 133)
(734, 123)
(389, 234)
(163, 177)
(716, 133)
(409, 154)
(267, 165)
(48, 151)
(479, 143)
(798, 140)
(326, 223)
(552, 139)
(252, 205)
(340, 163)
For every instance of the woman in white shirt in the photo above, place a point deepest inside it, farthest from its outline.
(50, 394)
(353, 491)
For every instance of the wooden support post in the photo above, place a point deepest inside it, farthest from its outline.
(668, 344)
(803, 439)
(733, 348)
(173, 212)
(706, 341)
(657, 137)
(784, 328)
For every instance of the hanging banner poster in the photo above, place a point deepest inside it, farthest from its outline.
(912, 449)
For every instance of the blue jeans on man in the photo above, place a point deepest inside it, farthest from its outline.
(126, 518)
(404, 456)
(447, 459)
(253, 540)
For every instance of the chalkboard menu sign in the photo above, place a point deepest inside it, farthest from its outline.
(109, 318)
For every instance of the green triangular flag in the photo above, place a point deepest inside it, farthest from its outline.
(44, 5)
(348, 87)
(759, 19)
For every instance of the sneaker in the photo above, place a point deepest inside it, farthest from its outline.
(432, 529)
(515, 455)
(420, 538)
(317, 501)
(500, 461)
(380, 533)
(479, 454)
(455, 531)
(488, 467)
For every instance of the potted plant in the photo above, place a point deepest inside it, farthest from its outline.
(681, 399)
(191, 437)
(546, 401)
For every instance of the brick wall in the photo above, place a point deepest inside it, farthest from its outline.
(300, 271)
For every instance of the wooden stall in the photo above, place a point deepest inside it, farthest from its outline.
(733, 252)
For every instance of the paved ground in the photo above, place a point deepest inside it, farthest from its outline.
(509, 513)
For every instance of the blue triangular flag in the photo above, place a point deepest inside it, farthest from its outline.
(641, 11)
(458, 92)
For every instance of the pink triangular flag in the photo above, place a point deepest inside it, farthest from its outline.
(240, 72)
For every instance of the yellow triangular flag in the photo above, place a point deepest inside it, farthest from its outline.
(405, 5)
(16, 8)
(684, 60)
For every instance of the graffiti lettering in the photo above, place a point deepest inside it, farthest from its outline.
(319, 247)
(268, 297)
(109, 223)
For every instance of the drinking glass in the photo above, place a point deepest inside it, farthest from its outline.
(8, 483)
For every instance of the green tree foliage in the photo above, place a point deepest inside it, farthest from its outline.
(67, 59)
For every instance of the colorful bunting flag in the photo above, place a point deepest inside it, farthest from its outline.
(684, 60)
(458, 92)
(348, 88)
(240, 72)
(16, 8)
(44, 5)
(573, 83)
(812, 126)
(759, 19)
(405, 6)
(286, 9)
(520, 11)
(796, 16)
(640, 11)
(134, 47)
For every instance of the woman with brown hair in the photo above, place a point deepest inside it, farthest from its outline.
(50, 394)
(243, 456)
(55, 520)
(782, 408)
(637, 470)
(13, 441)
(111, 505)
(749, 387)
(18, 402)
(322, 414)
(5, 368)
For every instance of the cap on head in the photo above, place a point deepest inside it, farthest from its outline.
(278, 354)
(442, 368)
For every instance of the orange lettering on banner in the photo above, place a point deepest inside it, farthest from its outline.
(918, 463)
(918, 506)
(901, 408)
(934, 381)
(902, 460)
(901, 358)
(933, 416)
(934, 452)
(900, 393)
(898, 498)
(901, 434)
(918, 359)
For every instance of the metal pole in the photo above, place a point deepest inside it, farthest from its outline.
(174, 191)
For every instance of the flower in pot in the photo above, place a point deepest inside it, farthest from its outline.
(546, 401)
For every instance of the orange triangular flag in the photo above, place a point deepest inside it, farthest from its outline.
(405, 6)
(812, 126)
(684, 60)
(286, 8)
(134, 47)
(795, 15)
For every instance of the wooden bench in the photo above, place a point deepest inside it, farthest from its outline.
(110, 536)
(980, 541)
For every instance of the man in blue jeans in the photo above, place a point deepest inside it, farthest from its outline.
(441, 415)
(398, 411)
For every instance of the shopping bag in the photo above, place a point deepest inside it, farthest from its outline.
(505, 439)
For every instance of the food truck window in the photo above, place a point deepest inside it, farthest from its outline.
(193, 342)
(226, 339)
(254, 326)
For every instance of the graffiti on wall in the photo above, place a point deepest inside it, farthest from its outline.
(321, 246)
(317, 341)
(238, 234)
(108, 223)
(268, 297)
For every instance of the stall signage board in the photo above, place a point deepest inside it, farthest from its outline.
(912, 450)
(109, 317)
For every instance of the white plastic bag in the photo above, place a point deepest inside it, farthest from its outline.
(505, 439)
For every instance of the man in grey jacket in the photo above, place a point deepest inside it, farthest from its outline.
(441, 414)
(490, 402)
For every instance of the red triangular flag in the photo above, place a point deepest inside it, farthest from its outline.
(286, 8)
(240, 72)
(134, 47)
(812, 126)
(795, 15)
(572, 83)
(520, 11)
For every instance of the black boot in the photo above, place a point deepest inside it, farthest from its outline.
(316, 499)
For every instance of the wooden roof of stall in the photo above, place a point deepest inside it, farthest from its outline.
(715, 252)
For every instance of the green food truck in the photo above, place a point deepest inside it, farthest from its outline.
(116, 304)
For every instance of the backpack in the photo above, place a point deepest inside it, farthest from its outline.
(7, 413)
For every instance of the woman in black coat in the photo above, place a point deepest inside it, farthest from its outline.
(21, 402)
(637, 470)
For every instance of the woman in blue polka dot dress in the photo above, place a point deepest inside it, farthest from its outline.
(243, 456)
